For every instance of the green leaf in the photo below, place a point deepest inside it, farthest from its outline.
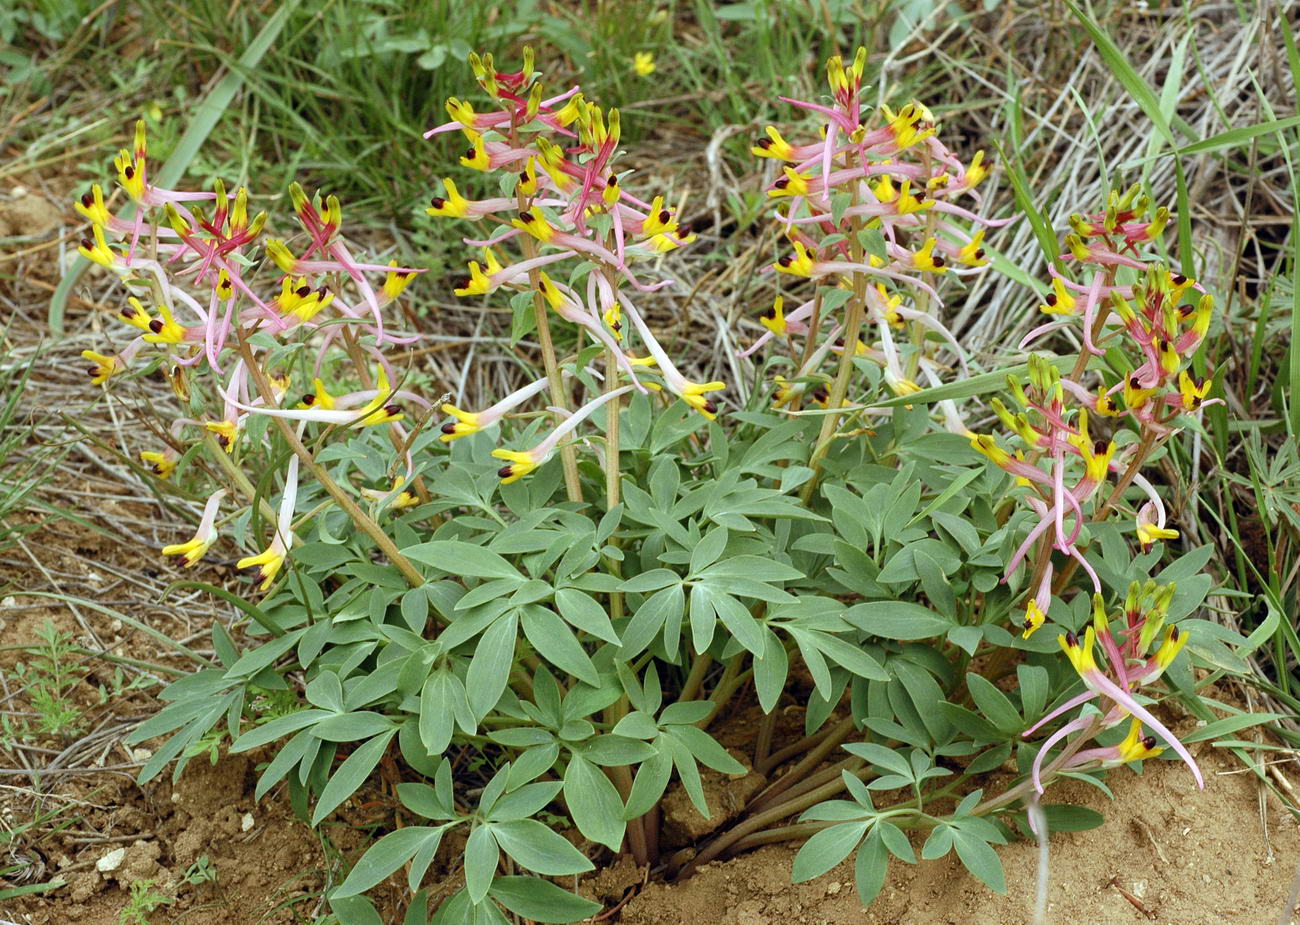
(881, 756)
(993, 703)
(276, 728)
(770, 671)
(351, 774)
(355, 910)
(827, 848)
(981, 860)
(350, 727)
(538, 849)
(386, 855)
(664, 606)
(553, 639)
(593, 803)
(541, 900)
(481, 858)
(870, 867)
(1229, 724)
(456, 557)
(897, 620)
(582, 612)
(489, 670)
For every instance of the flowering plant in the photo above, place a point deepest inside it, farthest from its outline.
(518, 610)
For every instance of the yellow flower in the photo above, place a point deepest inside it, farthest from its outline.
(1148, 533)
(163, 464)
(227, 433)
(476, 157)
(1080, 654)
(1192, 390)
(480, 279)
(269, 562)
(774, 318)
(519, 465)
(98, 251)
(395, 282)
(165, 330)
(91, 206)
(773, 146)
(466, 423)
(402, 499)
(1034, 618)
(1137, 747)
(693, 393)
(191, 551)
(643, 62)
(927, 259)
(801, 264)
(320, 398)
(977, 170)
(135, 314)
(105, 368)
(792, 183)
(1059, 301)
(987, 445)
(972, 254)
(658, 220)
(280, 255)
(533, 222)
(454, 205)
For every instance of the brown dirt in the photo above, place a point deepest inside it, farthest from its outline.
(1185, 857)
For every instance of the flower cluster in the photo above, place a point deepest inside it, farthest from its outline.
(870, 215)
(563, 206)
(189, 262)
(1062, 458)
(1131, 666)
(1074, 438)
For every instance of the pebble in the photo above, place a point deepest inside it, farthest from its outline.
(246, 823)
(111, 861)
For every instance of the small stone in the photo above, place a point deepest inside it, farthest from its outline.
(246, 822)
(116, 625)
(18, 192)
(832, 888)
(8, 602)
(111, 861)
(141, 754)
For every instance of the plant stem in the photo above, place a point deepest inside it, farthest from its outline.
(713, 849)
(364, 521)
(840, 387)
(838, 733)
(695, 679)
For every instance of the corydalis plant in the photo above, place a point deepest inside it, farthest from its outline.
(204, 311)
(565, 208)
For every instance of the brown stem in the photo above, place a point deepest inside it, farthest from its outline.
(778, 758)
(808, 783)
(684, 867)
(695, 680)
(839, 732)
(763, 746)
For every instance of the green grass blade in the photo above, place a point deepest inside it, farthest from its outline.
(969, 387)
(1119, 65)
(206, 116)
